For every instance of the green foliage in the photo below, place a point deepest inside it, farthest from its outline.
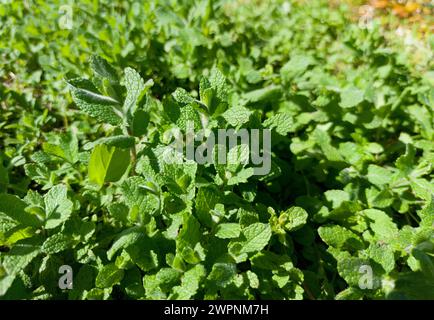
(107, 164)
(84, 181)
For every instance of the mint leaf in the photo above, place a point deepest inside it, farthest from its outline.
(257, 236)
(383, 255)
(135, 86)
(340, 237)
(265, 94)
(91, 101)
(56, 243)
(293, 218)
(127, 238)
(206, 199)
(228, 230)
(103, 69)
(119, 141)
(14, 209)
(379, 175)
(190, 283)
(109, 276)
(66, 147)
(296, 66)
(107, 164)
(58, 207)
(282, 123)
(237, 116)
(222, 274)
(381, 224)
(12, 264)
(351, 97)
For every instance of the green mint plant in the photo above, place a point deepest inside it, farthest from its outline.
(111, 156)
(89, 182)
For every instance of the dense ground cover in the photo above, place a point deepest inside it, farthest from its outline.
(88, 91)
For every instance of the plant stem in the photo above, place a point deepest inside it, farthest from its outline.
(133, 160)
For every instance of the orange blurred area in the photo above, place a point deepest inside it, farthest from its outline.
(417, 13)
(405, 9)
